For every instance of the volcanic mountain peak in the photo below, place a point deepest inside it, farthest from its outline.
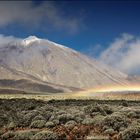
(41, 42)
(30, 40)
(48, 61)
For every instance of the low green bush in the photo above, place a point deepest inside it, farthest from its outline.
(38, 117)
(110, 131)
(131, 133)
(88, 121)
(65, 117)
(124, 103)
(45, 135)
(108, 109)
(132, 114)
(55, 121)
(11, 126)
(24, 134)
(49, 124)
(70, 124)
(38, 124)
(115, 121)
(3, 120)
(7, 135)
(25, 120)
(94, 108)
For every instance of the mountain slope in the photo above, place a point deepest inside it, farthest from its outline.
(29, 86)
(42, 60)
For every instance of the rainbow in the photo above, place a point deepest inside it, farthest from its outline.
(107, 89)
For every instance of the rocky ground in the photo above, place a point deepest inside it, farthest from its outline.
(69, 119)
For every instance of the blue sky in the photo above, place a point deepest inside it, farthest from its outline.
(87, 26)
(99, 22)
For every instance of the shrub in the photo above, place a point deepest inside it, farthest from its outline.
(70, 125)
(110, 132)
(94, 108)
(27, 118)
(132, 114)
(25, 104)
(30, 106)
(79, 116)
(131, 133)
(115, 121)
(79, 132)
(138, 120)
(60, 112)
(46, 108)
(45, 114)
(11, 126)
(2, 132)
(3, 120)
(53, 117)
(78, 119)
(107, 109)
(124, 103)
(88, 121)
(38, 124)
(38, 117)
(65, 117)
(25, 134)
(8, 135)
(45, 135)
(96, 121)
(49, 124)
(55, 121)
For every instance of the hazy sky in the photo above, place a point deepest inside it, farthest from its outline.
(108, 30)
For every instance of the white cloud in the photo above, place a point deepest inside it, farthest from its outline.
(123, 54)
(5, 40)
(47, 13)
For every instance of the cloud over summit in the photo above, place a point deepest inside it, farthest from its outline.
(45, 14)
(123, 54)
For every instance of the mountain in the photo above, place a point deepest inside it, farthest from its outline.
(46, 62)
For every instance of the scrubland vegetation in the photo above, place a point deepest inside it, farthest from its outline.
(70, 119)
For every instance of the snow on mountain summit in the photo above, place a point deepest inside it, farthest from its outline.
(27, 41)
(30, 40)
